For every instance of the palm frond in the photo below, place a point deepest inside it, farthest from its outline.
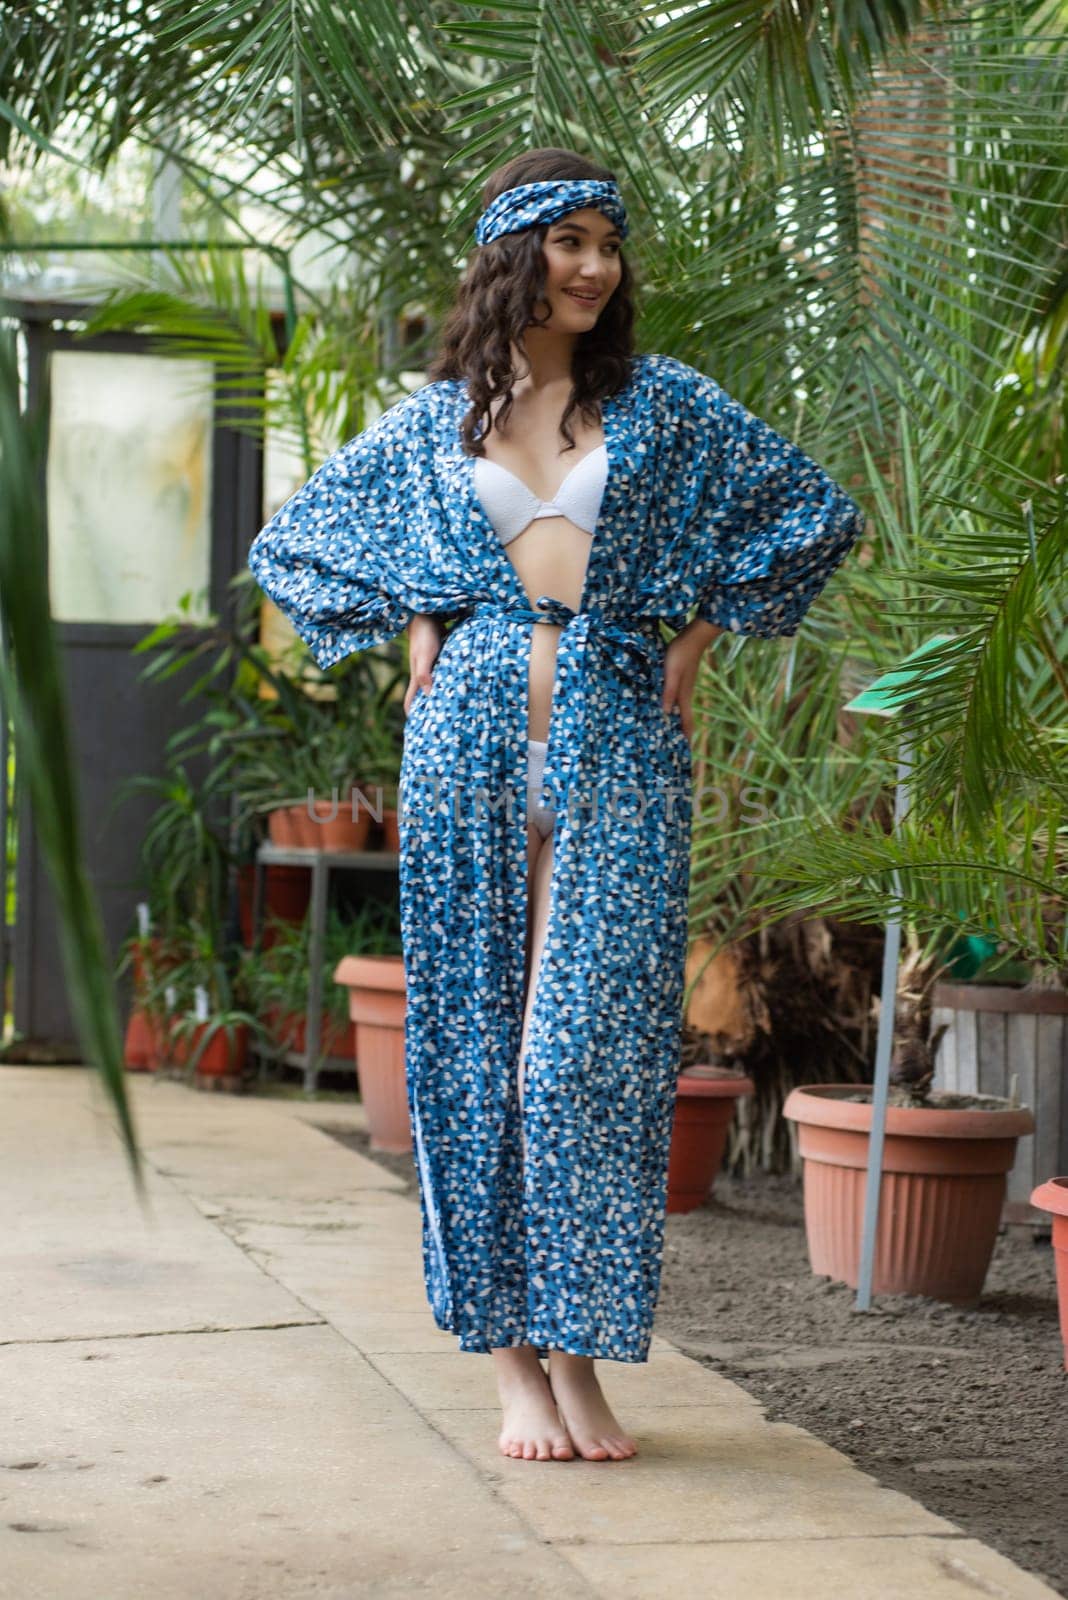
(32, 683)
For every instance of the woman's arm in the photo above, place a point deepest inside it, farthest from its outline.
(426, 634)
(682, 658)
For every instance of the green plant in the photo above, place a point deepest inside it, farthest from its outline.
(272, 737)
(184, 857)
(200, 1031)
(277, 977)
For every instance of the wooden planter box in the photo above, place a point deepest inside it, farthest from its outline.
(997, 1032)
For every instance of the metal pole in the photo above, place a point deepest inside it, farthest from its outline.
(881, 1086)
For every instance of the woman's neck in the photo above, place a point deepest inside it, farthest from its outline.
(544, 363)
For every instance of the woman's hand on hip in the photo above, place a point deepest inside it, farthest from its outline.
(682, 658)
(426, 634)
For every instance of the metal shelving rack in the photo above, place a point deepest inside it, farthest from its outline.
(321, 863)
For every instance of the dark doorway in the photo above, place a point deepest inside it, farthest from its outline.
(151, 492)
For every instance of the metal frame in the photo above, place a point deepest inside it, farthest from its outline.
(321, 863)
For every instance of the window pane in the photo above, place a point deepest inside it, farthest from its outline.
(129, 486)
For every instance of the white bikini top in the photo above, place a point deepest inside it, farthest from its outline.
(511, 506)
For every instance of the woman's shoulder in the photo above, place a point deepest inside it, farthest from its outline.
(403, 420)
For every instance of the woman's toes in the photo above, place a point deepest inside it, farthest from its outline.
(563, 1450)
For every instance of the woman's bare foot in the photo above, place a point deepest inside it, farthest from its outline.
(595, 1433)
(531, 1429)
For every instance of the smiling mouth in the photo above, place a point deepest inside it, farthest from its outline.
(587, 299)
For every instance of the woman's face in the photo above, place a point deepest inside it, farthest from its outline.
(582, 260)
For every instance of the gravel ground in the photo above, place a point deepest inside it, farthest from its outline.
(964, 1411)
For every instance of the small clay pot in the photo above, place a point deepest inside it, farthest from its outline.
(343, 833)
(704, 1106)
(284, 827)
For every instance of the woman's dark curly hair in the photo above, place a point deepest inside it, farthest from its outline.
(496, 301)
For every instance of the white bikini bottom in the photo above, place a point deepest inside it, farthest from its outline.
(543, 817)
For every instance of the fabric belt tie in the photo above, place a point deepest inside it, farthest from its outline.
(631, 654)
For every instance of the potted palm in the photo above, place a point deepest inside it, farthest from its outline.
(330, 771)
(945, 1162)
(975, 840)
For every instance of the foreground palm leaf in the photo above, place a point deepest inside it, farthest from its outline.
(32, 682)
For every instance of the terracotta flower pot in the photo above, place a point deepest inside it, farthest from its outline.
(138, 1046)
(159, 1045)
(291, 1031)
(160, 960)
(1053, 1196)
(286, 895)
(377, 1002)
(222, 1055)
(343, 833)
(390, 830)
(704, 1105)
(284, 827)
(943, 1185)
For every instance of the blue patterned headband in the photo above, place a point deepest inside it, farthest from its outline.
(548, 201)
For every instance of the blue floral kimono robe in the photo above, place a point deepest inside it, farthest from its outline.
(705, 507)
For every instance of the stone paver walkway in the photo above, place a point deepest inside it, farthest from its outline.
(238, 1393)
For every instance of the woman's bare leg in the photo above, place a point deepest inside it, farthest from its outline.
(531, 1429)
(593, 1429)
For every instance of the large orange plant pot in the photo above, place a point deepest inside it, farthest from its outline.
(704, 1107)
(1053, 1196)
(377, 1003)
(943, 1185)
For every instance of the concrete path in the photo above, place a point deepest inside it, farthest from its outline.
(239, 1394)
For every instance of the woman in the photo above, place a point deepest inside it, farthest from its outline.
(545, 929)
